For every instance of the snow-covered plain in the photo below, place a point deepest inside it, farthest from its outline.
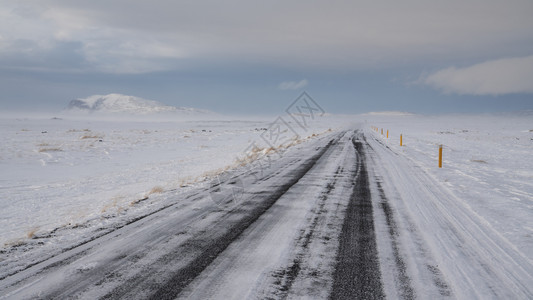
(64, 181)
(59, 172)
(487, 163)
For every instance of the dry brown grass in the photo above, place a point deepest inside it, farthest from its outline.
(50, 149)
(113, 205)
(134, 202)
(183, 182)
(15, 243)
(78, 130)
(479, 161)
(31, 233)
(156, 190)
(270, 150)
(83, 137)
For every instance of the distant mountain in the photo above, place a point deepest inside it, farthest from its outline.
(521, 113)
(117, 103)
(389, 113)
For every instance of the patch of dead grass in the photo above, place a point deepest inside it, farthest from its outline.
(84, 137)
(479, 161)
(50, 149)
(156, 190)
(31, 233)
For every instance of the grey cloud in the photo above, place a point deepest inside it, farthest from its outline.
(30, 55)
(327, 34)
(496, 77)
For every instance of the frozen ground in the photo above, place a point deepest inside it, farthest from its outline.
(60, 172)
(487, 163)
(464, 231)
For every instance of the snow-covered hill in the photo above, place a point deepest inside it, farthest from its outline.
(118, 103)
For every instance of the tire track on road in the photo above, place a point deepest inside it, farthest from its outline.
(285, 277)
(405, 288)
(357, 274)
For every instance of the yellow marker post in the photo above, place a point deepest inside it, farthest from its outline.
(401, 140)
(387, 133)
(381, 131)
(440, 156)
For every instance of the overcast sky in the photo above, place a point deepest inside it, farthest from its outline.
(257, 56)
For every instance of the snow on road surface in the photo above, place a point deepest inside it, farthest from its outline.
(346, 214)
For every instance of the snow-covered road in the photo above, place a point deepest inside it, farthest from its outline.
(344, 216)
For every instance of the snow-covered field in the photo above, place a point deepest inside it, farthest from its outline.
(64, 181)
(487, 163)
